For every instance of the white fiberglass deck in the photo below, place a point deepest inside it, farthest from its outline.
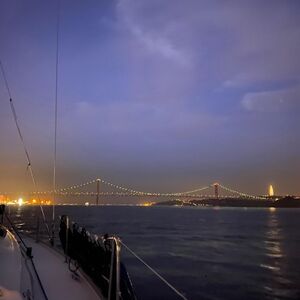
(56, 277)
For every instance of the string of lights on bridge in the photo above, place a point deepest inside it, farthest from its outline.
(126, 191)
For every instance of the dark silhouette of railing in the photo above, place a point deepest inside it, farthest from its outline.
(99, 258)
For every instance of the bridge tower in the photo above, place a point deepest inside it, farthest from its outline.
(216, 188)
(98, 191)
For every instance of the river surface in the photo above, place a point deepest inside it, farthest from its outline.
(206, 253)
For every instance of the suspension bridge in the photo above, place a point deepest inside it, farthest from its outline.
(214, 190)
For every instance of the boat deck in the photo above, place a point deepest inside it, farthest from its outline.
(55, 276)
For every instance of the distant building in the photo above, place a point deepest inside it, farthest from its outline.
(271, 191)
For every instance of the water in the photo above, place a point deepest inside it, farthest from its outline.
(207, 253)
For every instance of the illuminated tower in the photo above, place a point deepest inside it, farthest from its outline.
(98, 191)
(271, 191)
(216, 187)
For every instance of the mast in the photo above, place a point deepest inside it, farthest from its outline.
(55, 119)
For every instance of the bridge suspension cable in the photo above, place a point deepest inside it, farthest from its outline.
(193, 191)
(239, 193)
(77, 186)
(122, 188)
(102, 181)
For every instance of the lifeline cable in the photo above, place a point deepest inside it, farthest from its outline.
(153, 271)
(29, 256)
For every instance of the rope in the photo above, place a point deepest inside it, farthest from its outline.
(15, 117)
(153, 271)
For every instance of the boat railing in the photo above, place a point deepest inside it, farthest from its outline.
(98, 257)
(114, 276)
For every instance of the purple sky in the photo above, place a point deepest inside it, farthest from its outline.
(158, 95)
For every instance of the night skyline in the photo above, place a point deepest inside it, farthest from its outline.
(156, 95)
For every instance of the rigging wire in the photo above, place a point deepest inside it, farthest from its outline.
(153, 271)
(15, 117)
(5, 80)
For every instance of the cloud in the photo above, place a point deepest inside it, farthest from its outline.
(230, 44)
(154, 40)
(143, 119)
(162, 46)
(272, 101)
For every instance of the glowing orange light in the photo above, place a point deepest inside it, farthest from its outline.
(271, 190)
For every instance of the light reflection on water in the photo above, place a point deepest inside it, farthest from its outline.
(273, 236)
(278, 284)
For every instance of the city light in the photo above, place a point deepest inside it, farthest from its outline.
(20, 201)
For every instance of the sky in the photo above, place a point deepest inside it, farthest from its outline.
(160, 96)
